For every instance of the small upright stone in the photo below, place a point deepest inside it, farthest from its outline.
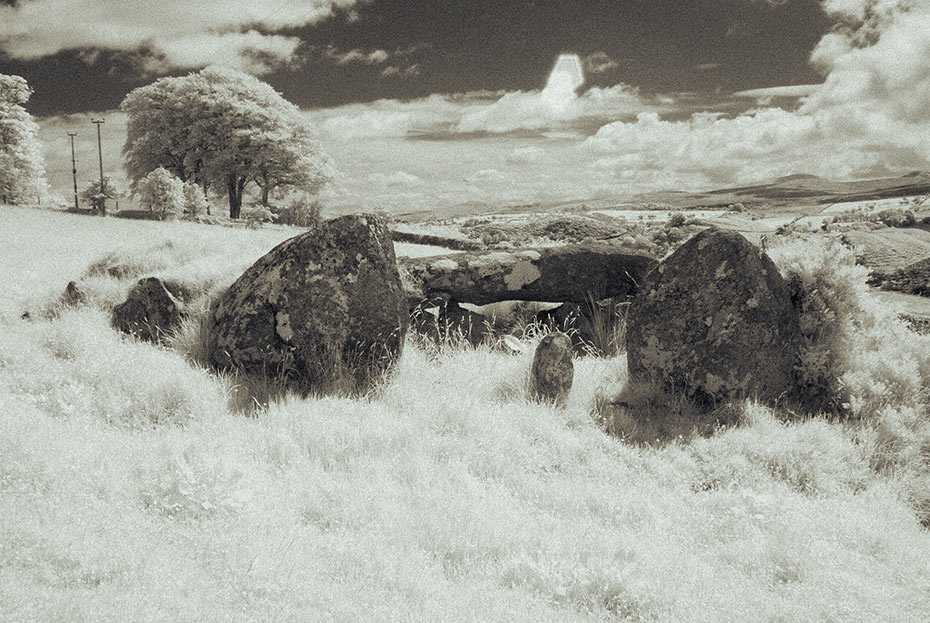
(715, 321)
(150, 311)
(552, 372)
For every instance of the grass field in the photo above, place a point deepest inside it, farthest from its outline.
(131, 489)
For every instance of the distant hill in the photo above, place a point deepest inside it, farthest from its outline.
(799, 191)
(794, 178)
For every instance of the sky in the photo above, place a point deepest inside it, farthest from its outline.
(421, 103)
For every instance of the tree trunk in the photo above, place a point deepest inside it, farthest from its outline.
(234, 187)
(573, 273)
(265, 190)
(204, 185)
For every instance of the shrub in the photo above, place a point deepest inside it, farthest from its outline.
(255, 215)
(195, 200)
(857, 358)
(162, 192)
(897, 218)
(676, 220)
(92, 194)
(299, 210)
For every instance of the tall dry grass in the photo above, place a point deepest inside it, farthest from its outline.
(131, 491)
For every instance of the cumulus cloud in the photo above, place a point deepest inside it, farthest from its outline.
(869, 117)
(173, 34)
(410, 71)
(400, 65)
(357, 55)
(546, 110)
(766, 95)
(599, 63)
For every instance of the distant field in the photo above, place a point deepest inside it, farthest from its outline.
(132, 489)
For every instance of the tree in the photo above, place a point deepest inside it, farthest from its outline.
(162, 192)
(221, 129)
(195, 201)
(95, 197)
(22, 170)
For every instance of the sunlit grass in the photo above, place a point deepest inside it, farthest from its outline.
(132, 489)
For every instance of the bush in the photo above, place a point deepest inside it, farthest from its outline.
(857, 358)
(255, 215)
(676, 220)
(92, 194)
(160, 191)
(195, 201)
(299, 210)
(897, 218)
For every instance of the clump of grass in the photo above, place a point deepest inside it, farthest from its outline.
(861, 362)
(83, 368)
(857, 357)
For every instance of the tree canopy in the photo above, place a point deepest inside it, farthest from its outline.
(22, 170)
(162, 192)
(221, 129)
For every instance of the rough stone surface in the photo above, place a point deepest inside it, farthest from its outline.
(552, 372)
(715, 320)
(323, 311)
(150, 311)
(570, 273)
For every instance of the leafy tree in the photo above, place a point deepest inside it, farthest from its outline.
(195, 201)
(92, 194)
(162, 192)
(22, 170)
(221, 129)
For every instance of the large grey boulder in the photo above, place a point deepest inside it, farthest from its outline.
(322, 312)
(715, 320)
(152, 309)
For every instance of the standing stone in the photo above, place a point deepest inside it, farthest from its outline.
(323, 311)
(715, 321)
(151, 310)
(552, 372)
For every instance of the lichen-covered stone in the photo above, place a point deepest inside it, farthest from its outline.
(552, 373)
(323, 310)
(152, 309)
(569, 273)
(715, 320)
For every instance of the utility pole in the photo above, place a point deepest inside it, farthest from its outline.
(74, 169)
(103, 199)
